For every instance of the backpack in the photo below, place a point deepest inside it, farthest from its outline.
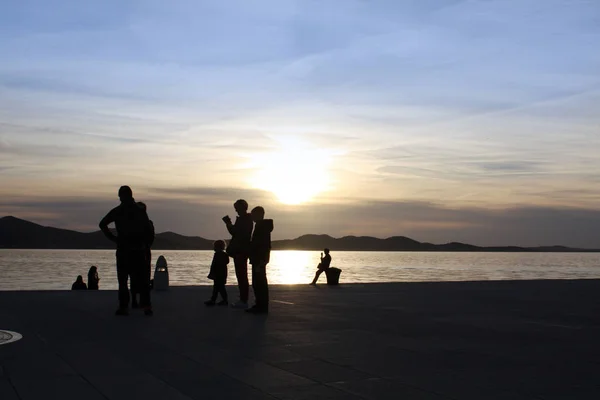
(133, 225)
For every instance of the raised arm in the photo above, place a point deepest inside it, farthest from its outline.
(230, 227)
(107, 220)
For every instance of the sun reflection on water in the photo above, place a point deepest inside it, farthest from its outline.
(292, 266)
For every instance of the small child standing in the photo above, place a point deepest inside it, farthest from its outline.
(218, 273)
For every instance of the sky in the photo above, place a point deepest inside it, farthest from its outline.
(441, 120)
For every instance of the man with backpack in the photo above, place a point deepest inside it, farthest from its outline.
(133, 235)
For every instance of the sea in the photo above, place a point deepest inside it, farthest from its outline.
(58, 269)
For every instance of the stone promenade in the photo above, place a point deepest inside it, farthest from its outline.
(470, 340)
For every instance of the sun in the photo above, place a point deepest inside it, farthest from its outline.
(295, 172)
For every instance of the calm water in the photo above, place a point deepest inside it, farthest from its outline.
(57, 269)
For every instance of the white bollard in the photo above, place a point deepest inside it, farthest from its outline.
(161, 274)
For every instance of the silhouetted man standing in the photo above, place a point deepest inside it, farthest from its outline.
(239, 248)
(260, 254)
(133, 231)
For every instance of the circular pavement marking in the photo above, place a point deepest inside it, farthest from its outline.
(9, 337)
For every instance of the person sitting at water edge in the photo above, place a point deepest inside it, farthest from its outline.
(133, 230)
(323, 265)
(239, 245)
(79, 284)
(93, 279)
(218, 273)
(260, 254)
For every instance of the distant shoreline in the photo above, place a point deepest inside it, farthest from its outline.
(525, 250)
(18, 234)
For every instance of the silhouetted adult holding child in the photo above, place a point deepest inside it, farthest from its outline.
(93, 279)
(239, 248)
(218, 273)
(135, 290)
(79, 284)
(323, 265)
(260, 255)
(133, 231)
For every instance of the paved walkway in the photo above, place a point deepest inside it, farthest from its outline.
(494, 340)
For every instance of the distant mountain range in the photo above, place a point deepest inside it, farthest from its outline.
(16, 233)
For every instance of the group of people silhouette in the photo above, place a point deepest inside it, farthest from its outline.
(250, 242)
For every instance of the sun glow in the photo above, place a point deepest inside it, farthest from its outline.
(295, 172)
(290, 266)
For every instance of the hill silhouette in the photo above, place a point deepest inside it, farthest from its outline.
(17, 233)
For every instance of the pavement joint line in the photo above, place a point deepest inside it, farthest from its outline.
(79, 374)
(194, 360)
(283, 302)
(553, 325)
(12, 385)
(435, 345)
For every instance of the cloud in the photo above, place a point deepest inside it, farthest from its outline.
(213, 195)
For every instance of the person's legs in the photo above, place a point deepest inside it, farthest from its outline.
(319, 272)
(241, 272)
(149, 266)
(134, 302)
(221, 289)
(139, 280)
(142, 284)
(261, 287)
(122, 277)
(266, 288)
(134, 290)
(215, 292)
